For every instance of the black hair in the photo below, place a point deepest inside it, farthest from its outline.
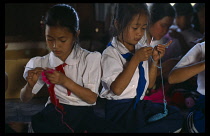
(161, 10)
(197, 7)
(62, 15)
(183, 9)
(123, 14)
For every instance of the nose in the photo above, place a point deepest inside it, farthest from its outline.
(140, 33)
(54, 44)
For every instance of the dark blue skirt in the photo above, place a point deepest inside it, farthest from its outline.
(76, 119)
(195, 122)
(133, 120)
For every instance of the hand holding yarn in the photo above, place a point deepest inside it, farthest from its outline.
(52, 76)
(33, 75)
(160, 49)
(44, 78)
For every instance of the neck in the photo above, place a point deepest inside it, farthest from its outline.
(129, 46)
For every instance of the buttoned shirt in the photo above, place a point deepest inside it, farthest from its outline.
(83, 67)
(112, 64)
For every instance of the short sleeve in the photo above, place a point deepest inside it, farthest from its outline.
(192, 56)
(92, 73)
(111, 68)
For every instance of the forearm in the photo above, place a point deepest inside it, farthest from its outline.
(124, 78)
(152, 73)
(26, 93)
(182, 74)
(83, 93)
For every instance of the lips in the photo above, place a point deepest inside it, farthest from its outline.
(57, 52)
(137, 39)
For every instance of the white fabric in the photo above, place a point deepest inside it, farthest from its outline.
(112, 64)
(195, 54)
(83, 67)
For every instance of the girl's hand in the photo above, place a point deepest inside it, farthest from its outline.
(56, 77)
(143, 53)
(33, 76)
(159, 49)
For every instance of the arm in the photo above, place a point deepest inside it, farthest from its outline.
(152, 73)
(184, 73)
(26, 92)
(158, 52)
(124, 78)
(83, 93)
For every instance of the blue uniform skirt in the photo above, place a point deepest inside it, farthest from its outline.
(195, 122)
(133, 120)
(76, 119)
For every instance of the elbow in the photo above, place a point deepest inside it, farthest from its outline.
(92, 100)
(25, 99)
(117, 92)
(170, 80)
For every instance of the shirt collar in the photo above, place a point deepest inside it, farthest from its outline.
(72, 59)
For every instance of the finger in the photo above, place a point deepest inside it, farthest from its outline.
(148, 48)
(166, 45)
(39, 68)
(39, 73)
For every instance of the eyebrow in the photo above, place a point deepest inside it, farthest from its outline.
(58, 37)
(140, 24)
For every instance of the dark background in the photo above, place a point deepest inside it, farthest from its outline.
(22, 21)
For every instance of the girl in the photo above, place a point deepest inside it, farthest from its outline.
(162, 17)
(193, 63)
(72, 75)
(122, 70)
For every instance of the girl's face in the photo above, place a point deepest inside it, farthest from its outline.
(161, 27)
(183, 22)
(59, 40)
(134, 31)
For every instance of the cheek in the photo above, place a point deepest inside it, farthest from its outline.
(156, 31)
(49, 44)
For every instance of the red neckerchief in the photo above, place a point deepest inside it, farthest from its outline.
(51, 91)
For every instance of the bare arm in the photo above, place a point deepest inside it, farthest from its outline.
(182, 74)
(84, 93)
(124, 78)
(26, 92)
(152, 73)
(158, 52)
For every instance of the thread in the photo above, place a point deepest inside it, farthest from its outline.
(64, 121)
(159, 116)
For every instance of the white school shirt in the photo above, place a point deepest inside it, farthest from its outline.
(195, 54)
(112, 64)
(83, 67)
(152, 44)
